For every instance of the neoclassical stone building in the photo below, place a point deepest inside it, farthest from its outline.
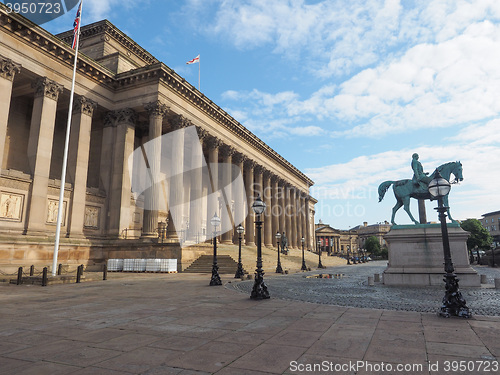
(124, 98)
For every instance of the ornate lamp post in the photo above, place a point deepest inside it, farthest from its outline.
(259, 290)
(303, 268)
(453, 302)
(320, 265)
(215, 280)
(278, 267)
(348, 256)
(239, 271)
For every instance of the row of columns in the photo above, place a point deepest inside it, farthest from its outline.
(40, 143)
(287, 207)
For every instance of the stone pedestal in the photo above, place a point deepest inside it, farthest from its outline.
(416, 256)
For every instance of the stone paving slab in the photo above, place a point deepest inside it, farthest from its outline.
(177, 324)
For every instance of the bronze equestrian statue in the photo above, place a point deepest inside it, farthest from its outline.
(417, 187)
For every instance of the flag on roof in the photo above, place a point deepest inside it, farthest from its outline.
(195, 60)
(76, 25)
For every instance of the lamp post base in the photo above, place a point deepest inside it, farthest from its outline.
(279, 269)
(239, 271)
(453, 302)
(259, 290)
(215, 280)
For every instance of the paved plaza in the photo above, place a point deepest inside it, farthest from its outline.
(177, 324)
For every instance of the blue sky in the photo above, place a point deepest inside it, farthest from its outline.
(346, 90)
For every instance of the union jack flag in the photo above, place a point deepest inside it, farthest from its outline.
(76, 25)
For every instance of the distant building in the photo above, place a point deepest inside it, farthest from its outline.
(337, 241)
(491, 221)
(378, 230)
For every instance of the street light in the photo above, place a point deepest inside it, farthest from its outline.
(453, 302)
(215, 280)
(303, 268)
(239, 271)
(278, 267)
(259, 290)
(320, 265)
(348, 260)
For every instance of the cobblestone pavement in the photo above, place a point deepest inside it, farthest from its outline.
(353, 290)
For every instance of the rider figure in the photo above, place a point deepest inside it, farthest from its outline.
(420, 178)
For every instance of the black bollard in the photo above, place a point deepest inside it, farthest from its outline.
(44, 277)
(32, 270)
(78, 273)
(20, 276)
(59, 269)
(105, 272)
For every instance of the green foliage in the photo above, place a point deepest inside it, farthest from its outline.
(479, 236)
(372, 245)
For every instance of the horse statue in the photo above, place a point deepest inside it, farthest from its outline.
(406, 189)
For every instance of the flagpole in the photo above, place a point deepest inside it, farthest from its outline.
(66, 149)
(199, 72)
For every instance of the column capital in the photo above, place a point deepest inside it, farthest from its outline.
(259, 169)
(8, 68)
(125, 115)
(267, 174)
(156, 109)
(213, 142)
(238, 157)
(48, 88)
(202, 133)
(275, 178)
(226, 150)
(84, 106)
(180, 122)
(250, 164)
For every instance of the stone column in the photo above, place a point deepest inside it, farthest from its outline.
(40, 150)
(156, 111)
(275, 208)
(293, 220)
(239, 196)
(308, 233)
(8, 70)
(213, 145)
(249, 188)
(227, 197)
(288, 216)
(300, 208)
(176, 201)
(282, 205)
(268, 226)
(117, 146)
(78, 162)
(195, 206)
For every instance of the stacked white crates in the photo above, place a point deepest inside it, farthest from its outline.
(153, 265)
(128, 265)
(115, 265)
(142, 265)
(168, 265)
(139, 265)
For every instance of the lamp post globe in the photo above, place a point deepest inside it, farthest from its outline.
(303, 268)
(453, 302)
(239, 271)
(279, 269)
(215, 280)
(259, 290)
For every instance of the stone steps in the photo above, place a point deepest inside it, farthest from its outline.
(227, 265)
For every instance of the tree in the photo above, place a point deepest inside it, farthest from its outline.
(479, 236)
(372, 245)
